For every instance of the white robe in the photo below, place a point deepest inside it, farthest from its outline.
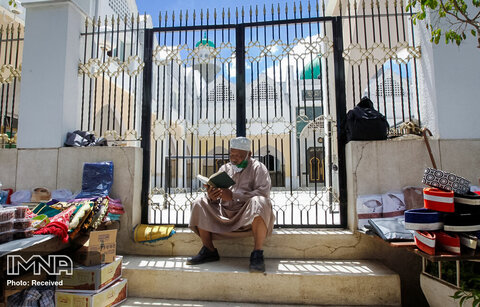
(250, 198)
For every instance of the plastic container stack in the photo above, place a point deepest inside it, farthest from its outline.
(22, 226)
(7, 217)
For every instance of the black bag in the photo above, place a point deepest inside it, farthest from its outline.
(79, 138)
(365, 123)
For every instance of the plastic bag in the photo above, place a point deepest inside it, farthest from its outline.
(97, 179)
(391, 229)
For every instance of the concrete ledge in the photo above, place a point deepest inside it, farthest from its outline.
(284, 243)
(286, 281)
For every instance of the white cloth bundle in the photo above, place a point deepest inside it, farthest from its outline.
(368, 207)
(393, 204)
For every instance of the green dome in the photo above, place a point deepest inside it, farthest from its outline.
(205, 42)
(316, 67)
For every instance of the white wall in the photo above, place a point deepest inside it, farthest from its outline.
(49, 88)
(449, 79)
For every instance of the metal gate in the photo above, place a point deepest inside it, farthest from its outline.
(282, 76)
(272, 81)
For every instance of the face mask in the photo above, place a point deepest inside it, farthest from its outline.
(243, 164)
(239, 167)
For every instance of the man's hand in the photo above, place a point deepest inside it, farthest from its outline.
(226, 194)
(213, 193)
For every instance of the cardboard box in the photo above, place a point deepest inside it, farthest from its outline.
(109, 297)
(92, 278)
(96, 248)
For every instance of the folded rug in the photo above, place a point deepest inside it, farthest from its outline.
(151, 233)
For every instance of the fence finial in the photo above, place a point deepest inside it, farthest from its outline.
(309, 7)
(201, 15)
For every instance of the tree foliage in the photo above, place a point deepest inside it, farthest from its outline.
(461, 19)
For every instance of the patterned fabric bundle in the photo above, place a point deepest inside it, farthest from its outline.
(445, 181)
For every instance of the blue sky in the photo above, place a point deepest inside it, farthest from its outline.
(153, 7)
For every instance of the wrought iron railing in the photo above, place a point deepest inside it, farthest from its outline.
(283, 76)
(11, 50)
(111, 78)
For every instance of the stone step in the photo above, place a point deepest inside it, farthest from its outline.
(284, 243)
(141, 301)
(286, 281)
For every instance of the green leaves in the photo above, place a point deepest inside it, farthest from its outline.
(451, 19)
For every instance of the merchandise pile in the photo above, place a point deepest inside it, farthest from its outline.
(450, 217)
(64, 219)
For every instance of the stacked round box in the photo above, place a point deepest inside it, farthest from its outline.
(442, 213)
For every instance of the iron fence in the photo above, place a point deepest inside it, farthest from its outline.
(111, 78)
(283, 76)
(11, 50)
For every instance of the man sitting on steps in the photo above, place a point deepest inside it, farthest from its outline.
(238, 211)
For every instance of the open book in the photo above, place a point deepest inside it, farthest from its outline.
(217, 180)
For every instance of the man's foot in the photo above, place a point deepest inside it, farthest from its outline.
(256, 261)
(204, 255)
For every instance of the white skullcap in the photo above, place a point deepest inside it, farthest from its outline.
(241, 143)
